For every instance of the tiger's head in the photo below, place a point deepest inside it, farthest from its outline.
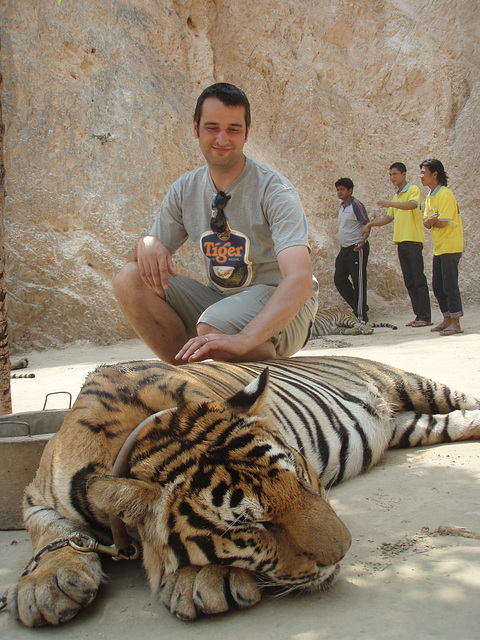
(213, 482)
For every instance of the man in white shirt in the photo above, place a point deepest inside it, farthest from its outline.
(351, 263)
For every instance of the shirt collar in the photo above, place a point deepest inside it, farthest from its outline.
(348, 203)
(436, 190)
(405, 188)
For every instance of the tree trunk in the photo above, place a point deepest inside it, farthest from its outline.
(5, 394)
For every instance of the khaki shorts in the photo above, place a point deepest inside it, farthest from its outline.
(194, 302)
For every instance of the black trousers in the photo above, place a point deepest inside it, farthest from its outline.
(351, 278)
(445, 284)
(411, 262)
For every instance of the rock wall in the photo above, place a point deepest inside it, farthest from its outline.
(98, 100)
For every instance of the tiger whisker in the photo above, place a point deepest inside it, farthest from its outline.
(231, 525)
(282, 589)
(288, 589)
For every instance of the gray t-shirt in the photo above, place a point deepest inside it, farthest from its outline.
(264, 216)
(351, 218)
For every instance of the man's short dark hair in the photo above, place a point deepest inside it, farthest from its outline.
(433, 165)
(344, 182)
(229, 95)
(400, 166)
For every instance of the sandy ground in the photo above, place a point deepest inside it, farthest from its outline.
(399, 580)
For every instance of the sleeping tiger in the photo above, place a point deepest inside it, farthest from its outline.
(222, 473)
(337, 322)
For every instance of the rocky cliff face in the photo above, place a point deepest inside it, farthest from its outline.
(98, 100)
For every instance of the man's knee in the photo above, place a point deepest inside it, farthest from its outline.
(204, 328)
(342, 280)
(124, 281)
(128, 286)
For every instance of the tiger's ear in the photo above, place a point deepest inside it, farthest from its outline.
(251, 398)
(126, 498)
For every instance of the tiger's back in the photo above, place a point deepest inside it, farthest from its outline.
(342, 413)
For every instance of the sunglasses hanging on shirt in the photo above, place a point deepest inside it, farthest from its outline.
(218, 221)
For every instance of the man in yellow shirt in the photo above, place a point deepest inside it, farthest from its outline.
(404, 211)
(442, 216)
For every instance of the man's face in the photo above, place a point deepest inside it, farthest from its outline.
(397, 177)
(222, 134)
(428, 178)
(344, 194)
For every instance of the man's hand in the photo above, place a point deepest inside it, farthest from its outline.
(215, 346)
(431, 220)
(359, 245)
(366, 231)
(154, 264)
(385, 203)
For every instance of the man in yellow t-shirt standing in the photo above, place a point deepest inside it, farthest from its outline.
(442, 216)
(404, 211)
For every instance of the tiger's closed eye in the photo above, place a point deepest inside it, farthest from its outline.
(244, 518)
(248, 520)
(248, 516)
(303, 477)
(241, 521)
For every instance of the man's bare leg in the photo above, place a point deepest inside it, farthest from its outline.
(151, 317)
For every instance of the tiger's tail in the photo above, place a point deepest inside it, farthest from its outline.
(417, 430)
(377, 325)
(426, 412)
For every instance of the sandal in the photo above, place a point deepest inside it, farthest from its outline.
(438, 328)
(450, 332)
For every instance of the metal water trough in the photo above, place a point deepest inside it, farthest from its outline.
(23, 437)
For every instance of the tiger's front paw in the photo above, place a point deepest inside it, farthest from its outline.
(64, 582)
(210, 589)
(217, 589)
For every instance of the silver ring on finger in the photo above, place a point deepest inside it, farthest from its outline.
(206, 339)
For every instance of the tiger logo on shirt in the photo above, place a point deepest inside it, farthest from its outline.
(228, 254)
